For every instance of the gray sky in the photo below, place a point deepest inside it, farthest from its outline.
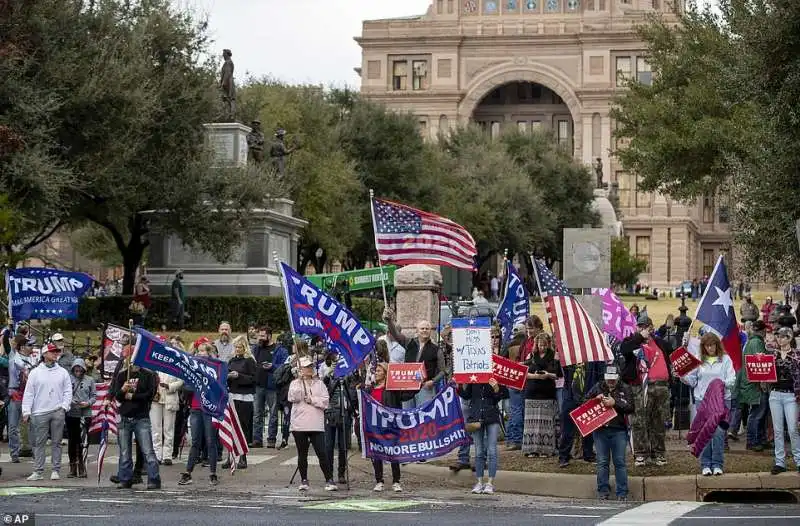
(297, 41)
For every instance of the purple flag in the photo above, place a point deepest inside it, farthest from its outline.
(617, 319)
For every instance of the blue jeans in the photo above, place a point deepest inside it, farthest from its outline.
(611, 443)
(735, 417)
(784, 412)
(463, 451)
(567, 437)
(265, 400)
(14, 413)
(140, 428)
(203, 433)
(517, 417)
(486, 449)
(713, 455)
(757, 413)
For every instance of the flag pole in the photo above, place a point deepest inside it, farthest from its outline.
(539, 286)
(285, 295)
(375, 234)
(505, 278)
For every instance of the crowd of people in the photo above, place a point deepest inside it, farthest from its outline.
(288, 387)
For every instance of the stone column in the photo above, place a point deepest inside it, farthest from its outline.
(417, 289)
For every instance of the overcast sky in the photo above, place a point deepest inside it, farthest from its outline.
(298, 41)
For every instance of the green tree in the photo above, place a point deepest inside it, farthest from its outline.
(625, 267)
(565, 186)
(125, 92)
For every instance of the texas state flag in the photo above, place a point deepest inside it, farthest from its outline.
(717, 313)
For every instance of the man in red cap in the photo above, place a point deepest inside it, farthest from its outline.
(47, 398)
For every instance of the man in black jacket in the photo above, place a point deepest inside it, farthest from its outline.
(648, 371)
(134, 391)
(339, 414)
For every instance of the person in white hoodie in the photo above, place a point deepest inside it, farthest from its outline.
(47, 398)
(162, 416)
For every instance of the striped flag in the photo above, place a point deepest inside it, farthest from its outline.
(577, 338)
(230, 433)
(405, 235)
(103, 413)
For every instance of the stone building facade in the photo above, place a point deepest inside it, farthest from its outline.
(551, 64)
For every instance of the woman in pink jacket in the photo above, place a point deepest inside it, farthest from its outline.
(309, 398)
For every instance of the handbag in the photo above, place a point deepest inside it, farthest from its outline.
(471, 427)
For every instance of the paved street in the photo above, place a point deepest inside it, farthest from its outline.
(261, 495)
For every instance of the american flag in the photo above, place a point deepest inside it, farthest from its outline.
(104, 420)
(577, 338)
(231, 434)
(405, 235)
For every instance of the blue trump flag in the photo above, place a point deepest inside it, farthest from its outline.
(39, 293)
(408, 435)
(206, 376)
(312, 311)
(516, 306)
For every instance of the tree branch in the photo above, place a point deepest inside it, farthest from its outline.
(43, 235)
(113, 230)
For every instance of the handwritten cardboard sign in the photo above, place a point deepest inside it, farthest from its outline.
(761, 368)
(472, 350)
(509, 373)
(405, 376)
(591, 416)
(684, 362)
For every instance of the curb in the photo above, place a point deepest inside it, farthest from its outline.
(666, 488)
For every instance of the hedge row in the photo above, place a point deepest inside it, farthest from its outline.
(205, 312)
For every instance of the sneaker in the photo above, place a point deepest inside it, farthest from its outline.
(513, 447)
(213, 479)
(330, 486)
(35, 476)
(622, 499)
(706, 472)
(167, 461)
(640, 462)
(154, 484)
(458, 466)
(718, 472)
(661, 461)
(378, 487)
(397, 488)
(303, 486)
(55, 476)
(125, 485)
(270, 444)
(15, 461)
(563, 464)
(776, 469)
(283, 445)
(185, 480)
(477, 488)
(602, 497)
(488, 489)
(114, 479)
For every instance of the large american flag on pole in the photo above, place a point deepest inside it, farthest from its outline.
(104, 420)
(230, 433)
(405, 236)
(576, 336)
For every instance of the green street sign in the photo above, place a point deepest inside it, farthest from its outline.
(27, 490)
(364, 279)
(368, 505)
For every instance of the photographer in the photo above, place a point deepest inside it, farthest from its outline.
(339, 414)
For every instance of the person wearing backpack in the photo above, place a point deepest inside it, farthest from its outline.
(647, 369)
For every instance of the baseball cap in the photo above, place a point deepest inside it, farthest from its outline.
(305, 362)
(611, 373)
(52, 348)
(57, 337)
(785, 331)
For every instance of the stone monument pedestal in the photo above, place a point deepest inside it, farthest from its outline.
(418, 289)
(228, 140)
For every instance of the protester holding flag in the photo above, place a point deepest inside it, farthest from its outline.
(716, 365)
(241, 389)
(784, 397)
(484, 424)
(79, 417)
(134, 389)
(539, 436)
(202, 429)
(47, 398)
(611, 440)
(393, 399)
(309, 398)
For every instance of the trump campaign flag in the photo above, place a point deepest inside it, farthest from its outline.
(577, 338)
(515, 307)
(617, 319)
(312, 311)
(206, 376)
(717, 313)
(39, 293)
(405, 236)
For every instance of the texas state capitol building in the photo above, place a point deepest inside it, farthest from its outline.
(552, 64)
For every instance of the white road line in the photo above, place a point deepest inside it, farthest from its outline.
(253, 460)
(74, 516)
(571, 516)
(312, 461)
(729, 517)
(652, 514)
(108, 501)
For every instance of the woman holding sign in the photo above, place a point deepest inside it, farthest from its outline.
(484, 424)
(717, 365)
(783, 399)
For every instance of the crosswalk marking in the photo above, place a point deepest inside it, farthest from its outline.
(312, 461)
(660, 513)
